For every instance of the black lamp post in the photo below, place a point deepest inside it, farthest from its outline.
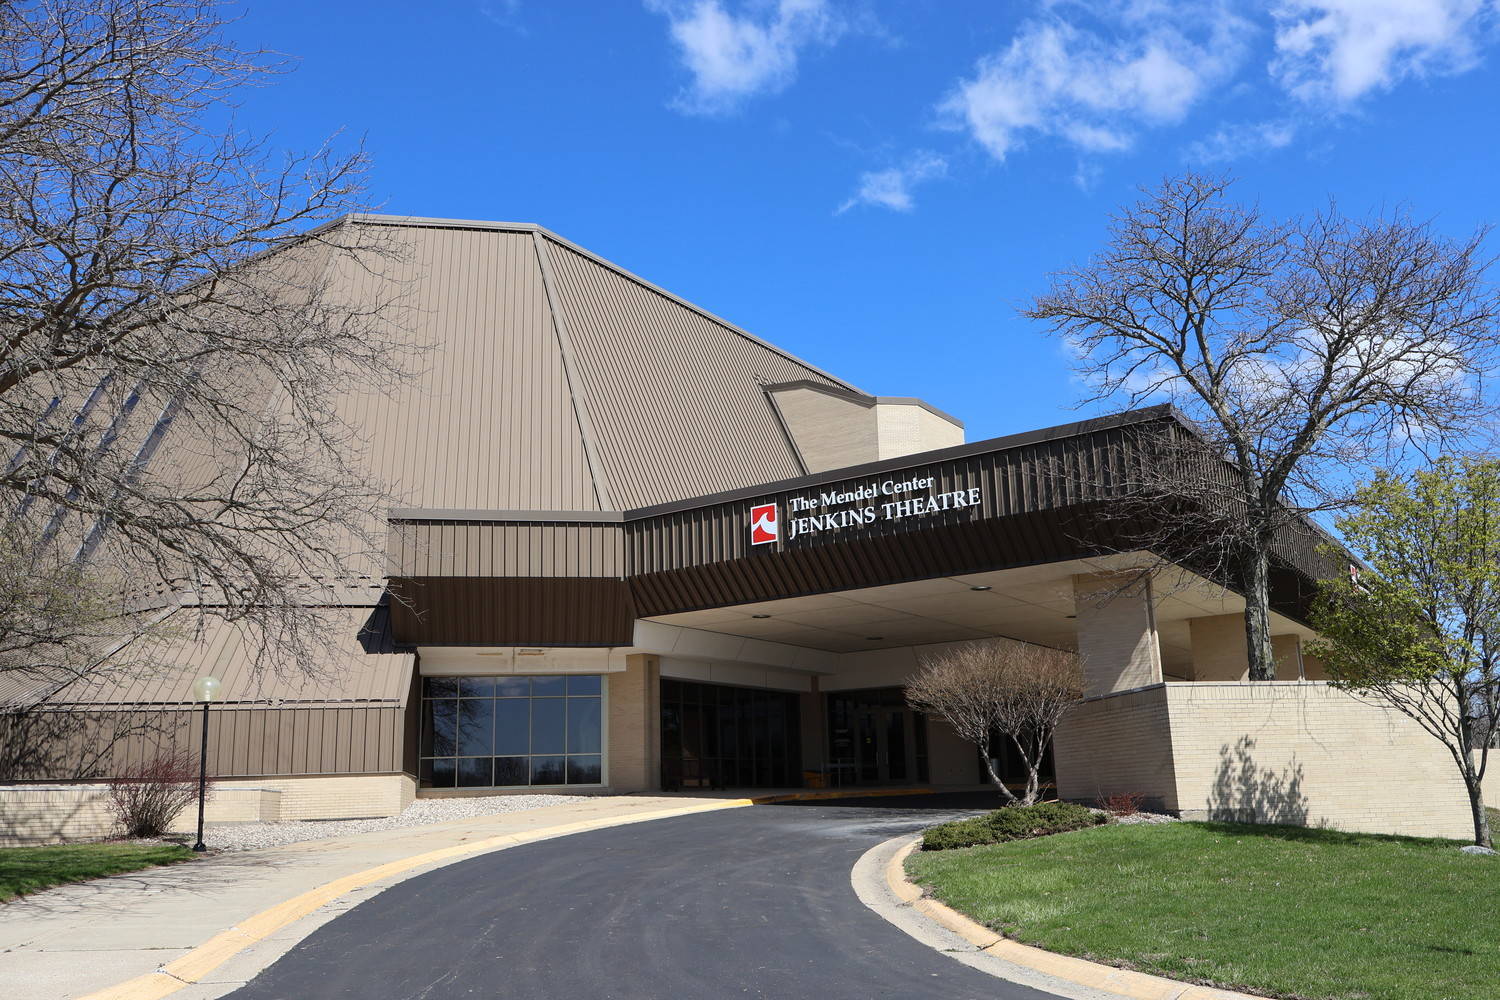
(206, 690)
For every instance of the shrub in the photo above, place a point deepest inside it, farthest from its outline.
(1123, 803)
(1014, 823)
(147, 796)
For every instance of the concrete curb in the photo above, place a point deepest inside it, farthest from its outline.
(1076, 971)
(840, 793)
(196, 965)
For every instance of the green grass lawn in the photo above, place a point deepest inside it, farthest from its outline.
(28, 869)
(1274, 910)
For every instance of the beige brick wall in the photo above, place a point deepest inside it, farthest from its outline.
(340, 796)
(1219, 648)
(1307, 754)
(1219, 652)
(1291, 752)
(1491, 788)
(51, 814)
(635, 726)
(1288, 652)
(951, 760)
(1117, 744)
(907, 428)
(1117, 641)
(47, 814)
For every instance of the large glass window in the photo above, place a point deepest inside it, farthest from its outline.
(494, 732)
(717, 736)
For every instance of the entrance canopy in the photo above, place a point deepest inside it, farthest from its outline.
(886, 554)
(1036, 604)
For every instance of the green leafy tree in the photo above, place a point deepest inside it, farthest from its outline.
(1421, 632)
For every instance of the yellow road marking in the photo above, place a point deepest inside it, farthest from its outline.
(196, 964)
(208, 956)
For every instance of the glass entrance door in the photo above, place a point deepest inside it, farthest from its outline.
(874, 738)
(884, 741)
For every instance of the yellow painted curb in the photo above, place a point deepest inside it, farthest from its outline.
(840, 793)
(1125, 982)
(196, 964)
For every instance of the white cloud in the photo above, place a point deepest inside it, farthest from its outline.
(892, 188)
(733, 57)
(1146, 65)
(1340, 50)
(1233, 142)
(1086, 177)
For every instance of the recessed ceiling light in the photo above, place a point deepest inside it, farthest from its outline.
(979, 588)
(760, 616)
(874, 638)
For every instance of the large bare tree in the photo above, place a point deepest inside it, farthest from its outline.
(1001, 689)
(174, 335)
(1304, 351)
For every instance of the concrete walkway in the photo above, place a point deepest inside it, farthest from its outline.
(75, 940)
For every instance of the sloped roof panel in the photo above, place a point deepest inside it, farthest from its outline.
(489, 422)
(674, 397)
(350, 673)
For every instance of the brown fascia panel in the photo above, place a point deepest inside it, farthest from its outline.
(512, 611)
(1060, 432)
(695, 553)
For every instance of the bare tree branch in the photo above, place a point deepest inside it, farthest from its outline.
(1001, 689)
(179, 315)
(1305, 352)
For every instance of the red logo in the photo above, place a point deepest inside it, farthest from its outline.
(764, 528)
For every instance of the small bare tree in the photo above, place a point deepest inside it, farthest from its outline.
(147, 796)
(1001, 688)
(1305, 352)
(175, 334)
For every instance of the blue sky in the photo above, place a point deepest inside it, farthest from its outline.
(877, 187)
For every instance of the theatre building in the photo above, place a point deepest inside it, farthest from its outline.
(636, 548)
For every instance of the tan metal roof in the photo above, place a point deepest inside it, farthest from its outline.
(556, 381)
(550, 380)
(350, 674)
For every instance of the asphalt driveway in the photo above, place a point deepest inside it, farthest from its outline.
(745, 902)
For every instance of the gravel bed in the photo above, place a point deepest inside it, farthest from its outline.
(1134, 818)
(250, 836)
(1145, 817)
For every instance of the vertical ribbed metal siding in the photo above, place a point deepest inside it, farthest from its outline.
(243, 742)
(1047, 476)
(162, 672)
(675, 398)
(256, 741)
(489, 423)
(473, 548)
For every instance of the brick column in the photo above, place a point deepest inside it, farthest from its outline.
(635, 725)
(1220, 654)
(1116, 634)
